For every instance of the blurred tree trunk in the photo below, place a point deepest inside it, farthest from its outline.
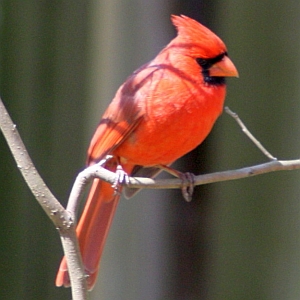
(125, 35)
(43, 86)
(154, 250)
(255, 222)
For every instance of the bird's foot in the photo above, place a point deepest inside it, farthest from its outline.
(188, 181)
(121, 178)
(188, 184)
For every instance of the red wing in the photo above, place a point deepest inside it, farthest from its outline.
(120, 119)
(107, 137)
(124, 113)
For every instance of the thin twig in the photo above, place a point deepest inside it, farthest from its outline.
(59, 216)
(149, 183)
(249, 134)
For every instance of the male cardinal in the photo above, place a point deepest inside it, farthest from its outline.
(162, 111)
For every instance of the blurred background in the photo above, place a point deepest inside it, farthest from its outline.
(60, 65)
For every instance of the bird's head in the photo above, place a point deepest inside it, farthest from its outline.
(209, 51)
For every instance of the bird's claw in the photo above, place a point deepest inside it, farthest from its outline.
(121, 178)
(188, 181)
(188, 184)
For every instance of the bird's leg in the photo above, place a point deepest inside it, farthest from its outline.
(188, 181)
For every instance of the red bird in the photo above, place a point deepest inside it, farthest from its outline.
(162, 111)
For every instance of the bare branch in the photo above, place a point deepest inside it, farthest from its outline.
(249, 134)
(84, 178)
(59, 216)
(149, 183)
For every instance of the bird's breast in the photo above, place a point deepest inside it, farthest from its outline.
(174, 122)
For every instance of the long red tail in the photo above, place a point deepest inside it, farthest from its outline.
(92, 231)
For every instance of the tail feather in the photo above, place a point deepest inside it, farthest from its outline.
(92, 231)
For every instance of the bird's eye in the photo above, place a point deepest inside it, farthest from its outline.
(205, 64)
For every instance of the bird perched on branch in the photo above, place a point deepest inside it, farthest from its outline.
(162, 111)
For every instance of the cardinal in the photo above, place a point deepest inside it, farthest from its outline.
(162, 111)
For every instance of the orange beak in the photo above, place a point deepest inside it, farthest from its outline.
(223, 68)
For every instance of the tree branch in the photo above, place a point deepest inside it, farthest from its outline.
(97, 171)
(249, 134)
(59, 216)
